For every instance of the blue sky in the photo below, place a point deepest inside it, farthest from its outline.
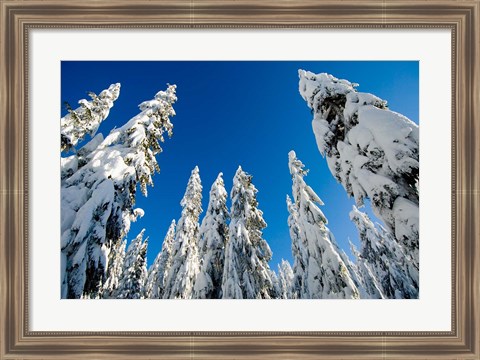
(233, 113)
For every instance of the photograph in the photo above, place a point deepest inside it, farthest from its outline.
(239, 180)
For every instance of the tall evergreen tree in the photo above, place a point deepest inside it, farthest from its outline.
(116, 258)
(299, 251)
(98, 191)
(366, 284)
(372, 151)
(212, 239)
(370, 285)
(396, 274)
(134, 274)
(158, 272)
(276, 291)
(185, 263)
(246, 272)
(285, 279)
(325, 274)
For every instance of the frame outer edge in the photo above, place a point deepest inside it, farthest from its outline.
(15, 142)
(475, 98)
(8, 190)
(12, 197)
(3, 181)
(467, 110)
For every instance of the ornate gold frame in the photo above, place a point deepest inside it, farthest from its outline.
(18, 17)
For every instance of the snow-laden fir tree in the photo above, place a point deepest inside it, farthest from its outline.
(98, 190)
(276, 291)
(365, 282)
(246, 272)
(285, 280)
(372, 151)
(212, 239)
(134, 274)
(116, 257)
(299, 250)
(370, 286)
(87, 118)
(185, 263)
(158, 271)
(325, 274)
(395, 272)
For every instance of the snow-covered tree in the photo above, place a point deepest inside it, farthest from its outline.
(325, 274)
(87, 118)
(116, 258)
(372, 151)
(381, 255)
(98, 191)
(212, 239)
(299, 250)
(285, 280)
(134, 274)
(276, 291)
(370, 287)
(246, 272)
(185, 263)
(158, 271)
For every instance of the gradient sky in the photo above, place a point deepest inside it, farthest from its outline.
(233, 113)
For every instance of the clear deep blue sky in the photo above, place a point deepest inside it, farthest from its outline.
(246, 113)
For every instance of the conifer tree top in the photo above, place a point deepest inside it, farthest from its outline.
(314, 88)
(302, 193)
(192, 199)
(295, 165)
(217, 191)
(87, 118)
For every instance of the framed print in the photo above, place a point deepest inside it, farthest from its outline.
(236, 101)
